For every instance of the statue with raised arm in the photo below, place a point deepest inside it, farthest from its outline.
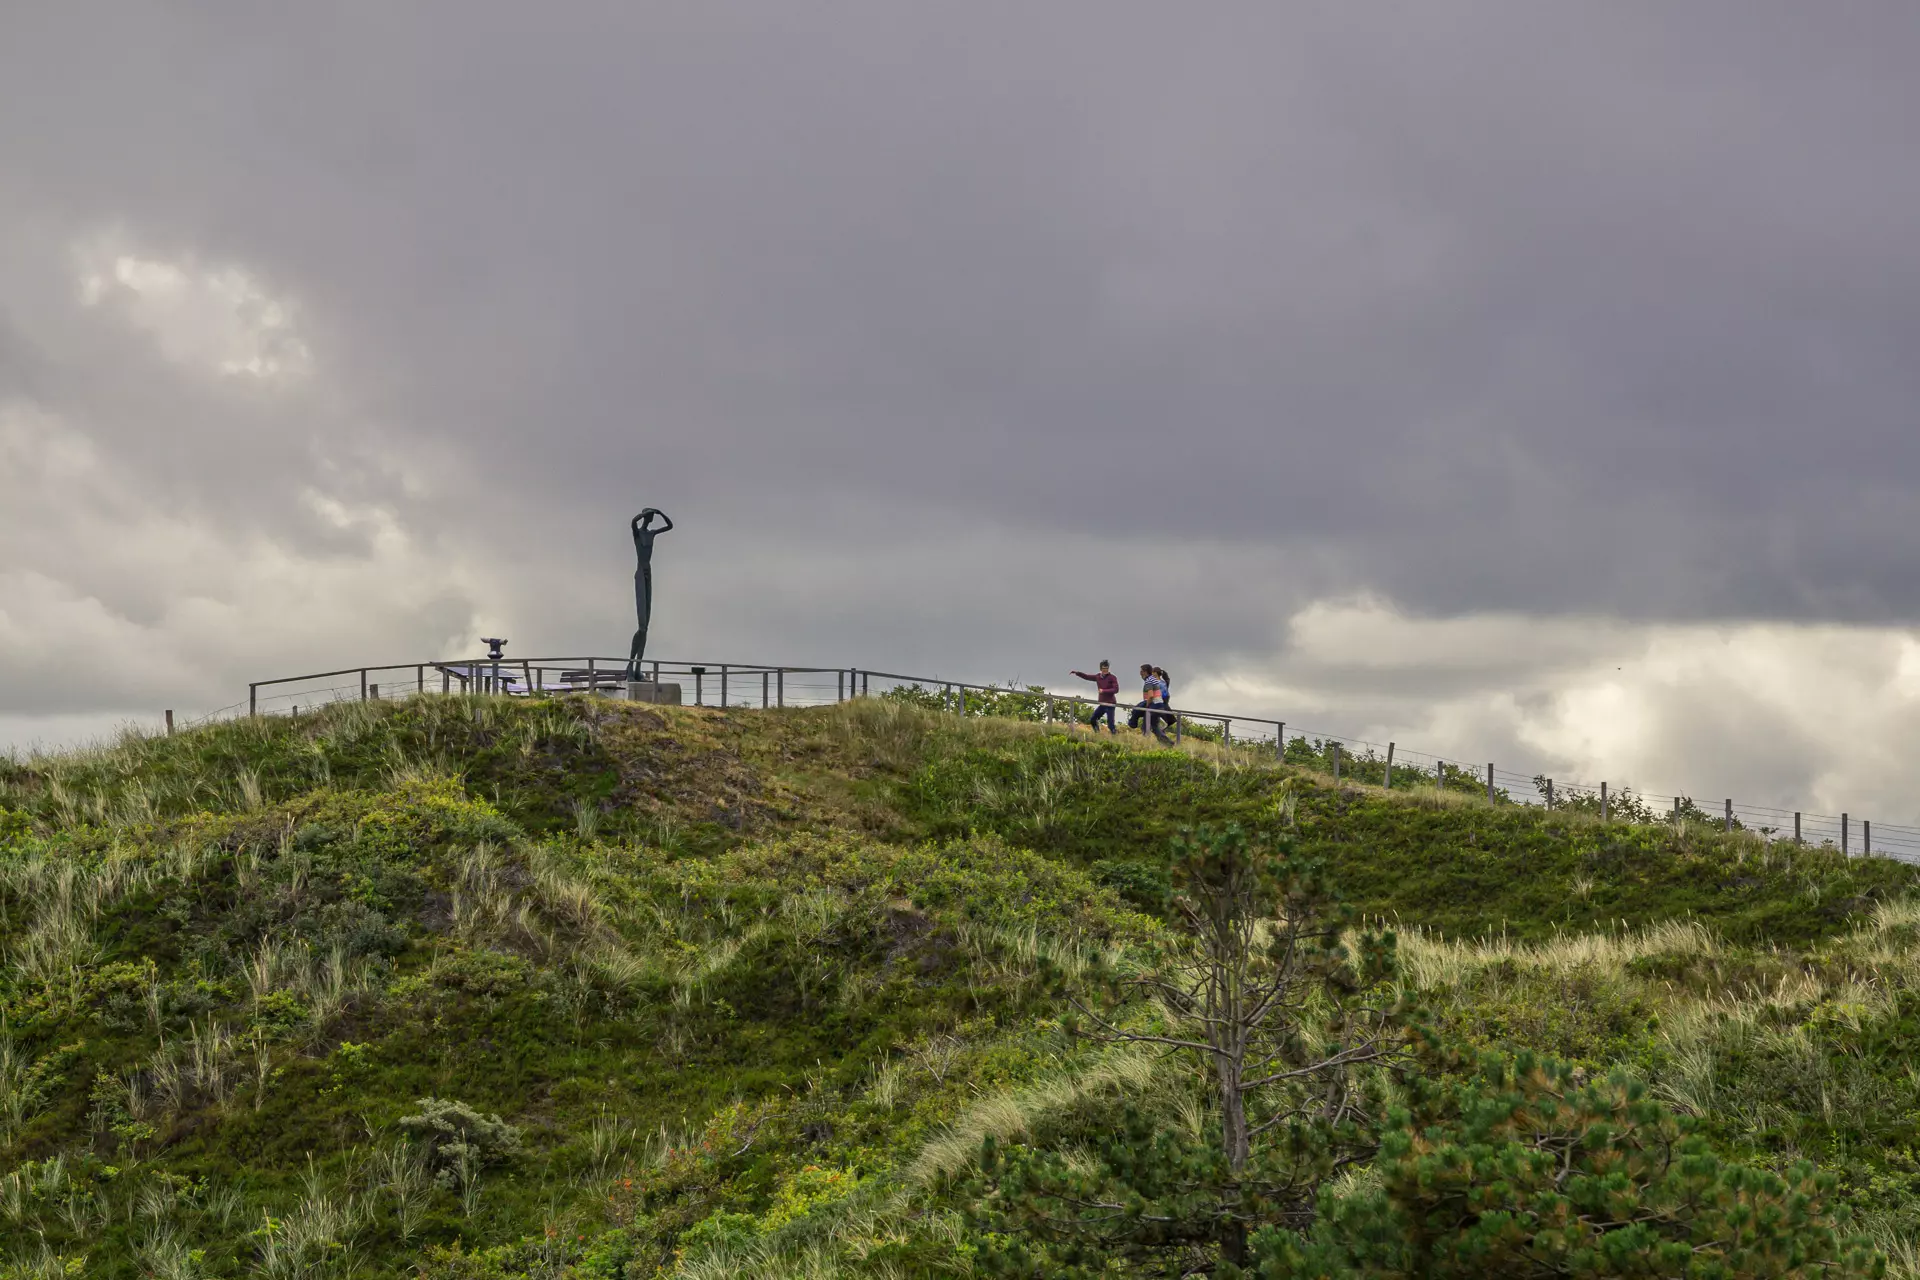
(643, 536)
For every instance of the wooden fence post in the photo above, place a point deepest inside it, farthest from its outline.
(363, 684)
(1866, 836)
(763, 690)
(1280, 742)
(1729, 815)
(253, 699)
(723, 684)
(1796, 827)
(1336, 764)
(780, 686)
(1489, 779)
(1549, 793)
(420, 678)
(169, 722)
(374, 694)
(446, 680)
(839, 686)
(1843, 833)
(1603, 802)
(1389, 782)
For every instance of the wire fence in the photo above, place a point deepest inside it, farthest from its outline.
(770, 685)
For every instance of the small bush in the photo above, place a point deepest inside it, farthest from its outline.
(458, 1140)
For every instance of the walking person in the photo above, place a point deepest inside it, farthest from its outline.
(1151, 689)
(1166, 692)
(1108, 685)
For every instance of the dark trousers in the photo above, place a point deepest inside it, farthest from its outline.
(1148, 720)
(1104, 709)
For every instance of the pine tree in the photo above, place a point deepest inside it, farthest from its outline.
(1519, 1168)
(1270, 996)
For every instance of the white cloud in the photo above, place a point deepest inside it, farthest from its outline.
(1821, 718)
(116, 603)
(216, 319)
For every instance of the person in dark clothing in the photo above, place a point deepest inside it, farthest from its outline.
(1166, 693)
(1108, 685)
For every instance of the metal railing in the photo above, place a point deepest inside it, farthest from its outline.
(771, 685)
(719, 684)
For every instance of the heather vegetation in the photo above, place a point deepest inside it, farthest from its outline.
(490, 989)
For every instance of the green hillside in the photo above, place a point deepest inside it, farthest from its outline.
(486, 988)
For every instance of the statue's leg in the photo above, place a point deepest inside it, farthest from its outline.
(642, 608)
(633, 655)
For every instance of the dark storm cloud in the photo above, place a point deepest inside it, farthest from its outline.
(1482, 307)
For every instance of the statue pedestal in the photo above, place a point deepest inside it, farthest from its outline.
(648, 691)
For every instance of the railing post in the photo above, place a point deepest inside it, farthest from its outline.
(866, 689)
(420, 677)
(723, 685)
(1603, 802)
(1489, 779)
(1049, 709)
(526, 673)
(656, 671)
(1729, 827)
(1336, 763)
(169, 722)
(1549, 793)
(1280, 742)
(593, 675)
(699, 686)
(253, 700)
(1843, 833)
(375, 694)
(1179, 722)
(1796, 827)
(363, 684)
(780, 685)
(763, 690)
(446, 680)
(839, 685)
(1389, 782)
(1226, 733)
(1866, 836)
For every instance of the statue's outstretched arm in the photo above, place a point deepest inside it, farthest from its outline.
(667, 522)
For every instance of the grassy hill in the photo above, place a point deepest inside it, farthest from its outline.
(486, 988)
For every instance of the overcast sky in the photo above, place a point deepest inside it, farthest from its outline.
(1518, 381)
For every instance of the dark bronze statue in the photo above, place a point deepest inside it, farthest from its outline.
(643, 536)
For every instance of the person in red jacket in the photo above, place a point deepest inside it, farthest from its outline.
(1109, 686)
